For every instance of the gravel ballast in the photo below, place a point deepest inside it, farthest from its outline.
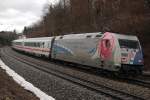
(56, 87)
(64, 90)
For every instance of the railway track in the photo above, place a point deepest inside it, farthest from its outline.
(146, 74)
(143, 81)
(139, 82)
(98, 88)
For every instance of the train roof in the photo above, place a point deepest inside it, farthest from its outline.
(123, 36)
(96, 34)
(34, 39)
(38, 39)
(69, 36)
(80, 36)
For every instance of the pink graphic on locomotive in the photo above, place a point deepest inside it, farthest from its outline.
(106, 46)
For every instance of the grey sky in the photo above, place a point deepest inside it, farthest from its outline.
(15, 14)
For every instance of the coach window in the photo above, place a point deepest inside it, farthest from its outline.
(38, 44)
(25, 44)
(35, 44)
(43, 44)
(31, 44)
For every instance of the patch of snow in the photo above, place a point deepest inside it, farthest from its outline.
(28, 86)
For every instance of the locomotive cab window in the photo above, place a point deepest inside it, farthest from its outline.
(132, 44)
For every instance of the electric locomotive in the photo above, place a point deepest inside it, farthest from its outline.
(108, 51)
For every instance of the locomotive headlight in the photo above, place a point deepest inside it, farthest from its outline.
(141, 61)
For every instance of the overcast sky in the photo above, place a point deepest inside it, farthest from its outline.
(15, 14)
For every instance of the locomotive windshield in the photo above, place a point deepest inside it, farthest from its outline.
(124, 43)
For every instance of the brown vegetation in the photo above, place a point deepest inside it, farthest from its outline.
(9, 90)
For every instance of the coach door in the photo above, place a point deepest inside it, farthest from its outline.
(51, 47)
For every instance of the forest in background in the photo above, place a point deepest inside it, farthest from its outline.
(6, 37)
(82, 16)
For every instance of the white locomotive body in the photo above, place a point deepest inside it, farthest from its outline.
(77, 48)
